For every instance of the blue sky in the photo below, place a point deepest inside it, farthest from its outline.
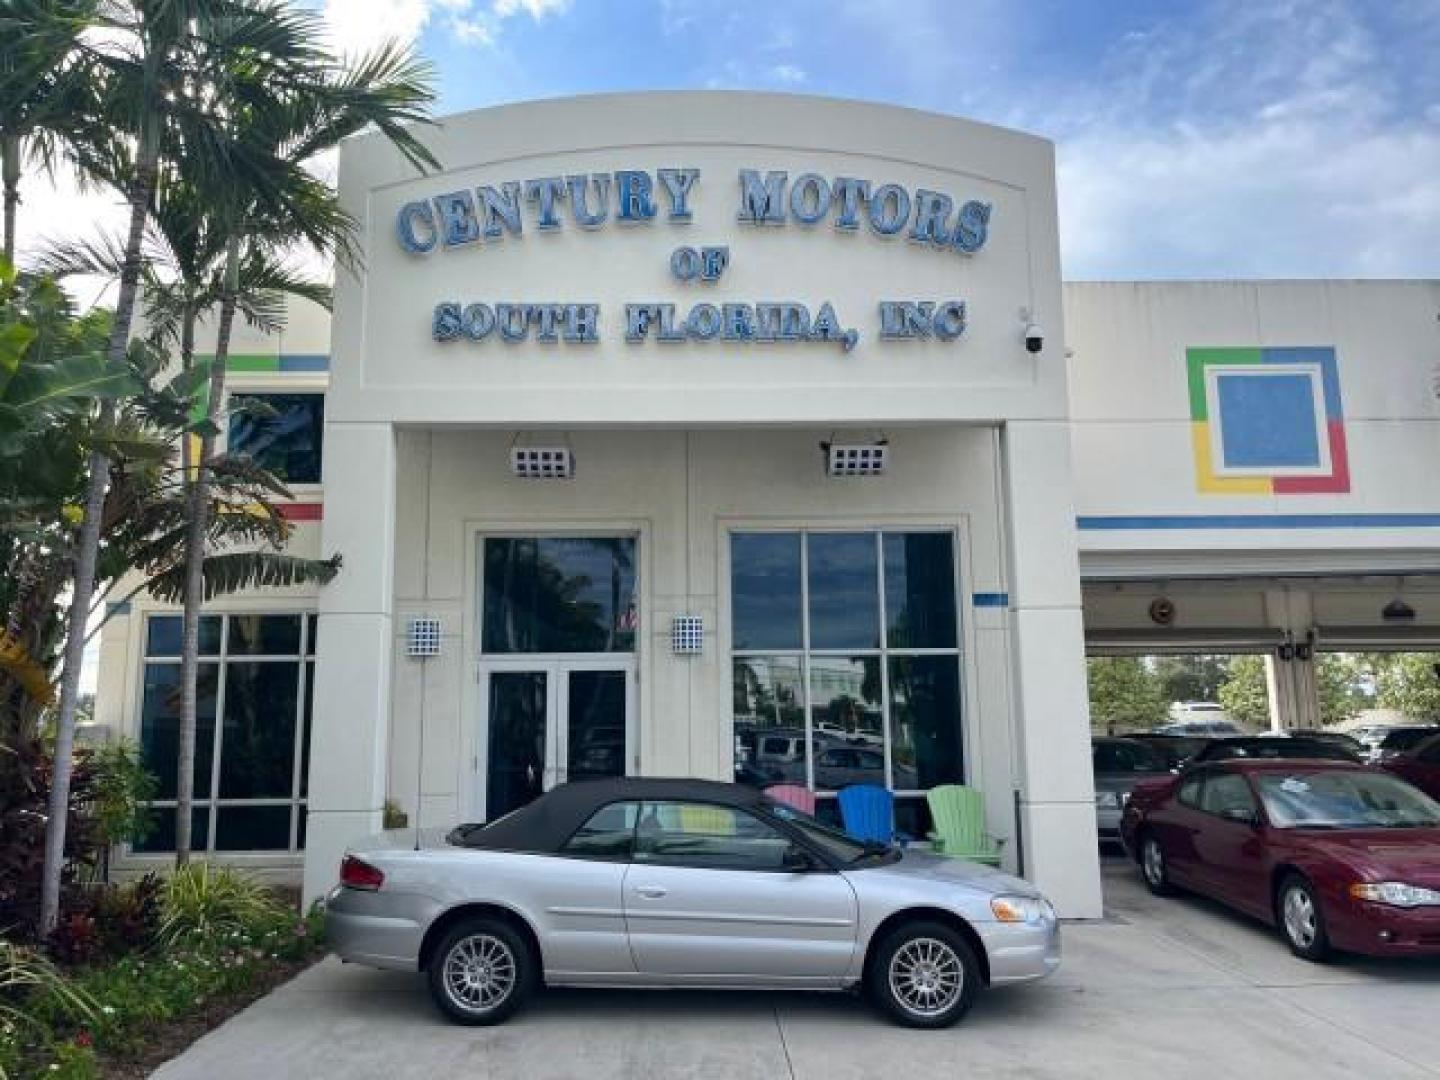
(1217, 138)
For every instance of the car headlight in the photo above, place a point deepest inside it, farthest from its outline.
(1396, 894)
(1021, 909)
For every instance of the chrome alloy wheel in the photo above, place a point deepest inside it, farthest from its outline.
(1298, 910)
(926, 976)
(480, 973)
(1152, 861)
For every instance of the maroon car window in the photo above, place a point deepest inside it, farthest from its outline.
(1226, 793)
(1189, 793)
(1430, 752)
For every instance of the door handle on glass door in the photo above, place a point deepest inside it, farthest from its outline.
(651, 892)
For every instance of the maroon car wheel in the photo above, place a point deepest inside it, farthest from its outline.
(1153, 867)
(1297, 909)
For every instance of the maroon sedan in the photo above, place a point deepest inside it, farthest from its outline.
(1421, 766)
(1338, 856)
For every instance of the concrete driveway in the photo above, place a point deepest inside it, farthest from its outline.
(1164, 988)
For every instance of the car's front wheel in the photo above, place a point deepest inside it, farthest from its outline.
(481, 972)
(1301, 921)
(924, 975)
(1153, 867)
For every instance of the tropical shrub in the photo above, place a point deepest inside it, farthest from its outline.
(213, 901)
(33, 991)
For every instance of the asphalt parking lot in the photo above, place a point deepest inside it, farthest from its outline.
(1165, 988)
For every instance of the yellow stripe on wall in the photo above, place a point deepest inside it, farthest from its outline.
(1207, 483)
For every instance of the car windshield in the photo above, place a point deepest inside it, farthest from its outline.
(1406, 738)
(840, 847)
(1342, 799)
(1125, 757)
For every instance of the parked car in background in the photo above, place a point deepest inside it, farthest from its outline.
(1420, 766)
(1399, 739)
(1339, 738)
(1119, 764)
(1175, 749)
(1201, 728)
(1336, 855)
(671, 883)
(1271, 747)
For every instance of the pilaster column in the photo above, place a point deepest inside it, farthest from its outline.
(351, 714)
(1051, 710)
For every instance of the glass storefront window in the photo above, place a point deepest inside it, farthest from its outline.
(844, 598)
(920, 591)
(559, 594)
(765, 590)
(769, 711)
(260, 678)
(282, 433)
(821, 697)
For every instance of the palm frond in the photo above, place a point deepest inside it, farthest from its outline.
(234, 571)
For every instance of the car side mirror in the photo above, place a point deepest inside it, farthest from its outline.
(797, 860)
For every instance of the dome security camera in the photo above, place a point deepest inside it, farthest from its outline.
(1034, 338)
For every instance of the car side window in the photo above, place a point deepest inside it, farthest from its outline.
(1227, 793)
(1190, 790)
(707, 837)
(1430, 754)
(609, 835)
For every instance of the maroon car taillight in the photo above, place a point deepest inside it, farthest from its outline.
(358, 874)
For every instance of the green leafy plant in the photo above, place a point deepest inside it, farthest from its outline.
(120, 791)
(200, 899)
(25, 977)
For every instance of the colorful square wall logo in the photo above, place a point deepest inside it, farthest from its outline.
(1267, 421)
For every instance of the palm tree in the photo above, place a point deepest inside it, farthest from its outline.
(45, 85)
(153, 66)
(283, 127)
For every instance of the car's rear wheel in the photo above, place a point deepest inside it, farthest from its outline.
(1301, 922)
(924, 975)
(481, 972)
(1153, 867)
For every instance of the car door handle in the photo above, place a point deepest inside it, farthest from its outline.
(651, 892)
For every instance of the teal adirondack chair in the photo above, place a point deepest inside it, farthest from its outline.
(959, 816)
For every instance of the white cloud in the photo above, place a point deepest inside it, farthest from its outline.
(358, 26)
(788, 74)
(536, 9)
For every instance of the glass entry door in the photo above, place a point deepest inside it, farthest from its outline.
(545, 722)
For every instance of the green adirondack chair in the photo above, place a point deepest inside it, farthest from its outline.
(959, 816)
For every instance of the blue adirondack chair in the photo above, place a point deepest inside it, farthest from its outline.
(868, 812)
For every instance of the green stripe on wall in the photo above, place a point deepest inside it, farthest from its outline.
(1197, 360)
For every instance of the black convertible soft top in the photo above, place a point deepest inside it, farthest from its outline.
(544, 825)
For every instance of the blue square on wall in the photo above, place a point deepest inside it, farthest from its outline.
(1268, 421)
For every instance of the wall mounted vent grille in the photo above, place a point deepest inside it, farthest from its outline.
(687, 635)
(422, 637)
(849, 459)
(542, 462)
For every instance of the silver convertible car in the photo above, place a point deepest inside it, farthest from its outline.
(650, 882)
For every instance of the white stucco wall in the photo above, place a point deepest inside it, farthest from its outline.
(1131, 417)
(673, 439)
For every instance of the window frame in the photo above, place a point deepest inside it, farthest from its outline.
(270, 389)
(960, 652)
(298, 800)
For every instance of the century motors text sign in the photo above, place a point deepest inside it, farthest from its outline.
(474, 218)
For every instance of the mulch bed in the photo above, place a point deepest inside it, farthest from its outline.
(170, 1039)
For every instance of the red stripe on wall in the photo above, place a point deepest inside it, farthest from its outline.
(311, 511)
(1339, 479)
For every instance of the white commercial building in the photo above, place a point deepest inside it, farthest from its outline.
(748, 435)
